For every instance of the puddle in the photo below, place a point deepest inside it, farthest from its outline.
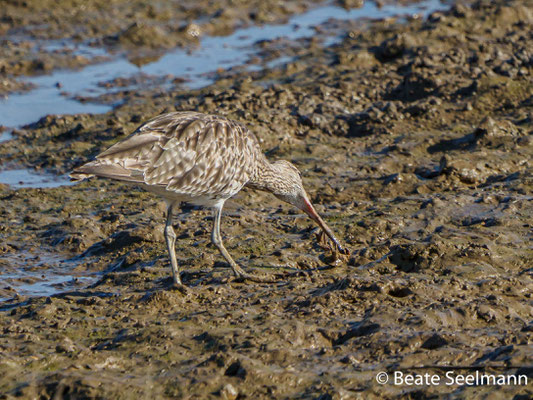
(63, 45)
(23, 108)
(25, 178)
(43, 285)
(43, 274)
(197, 65)
(5, 136)
(238, 48)
(69, 46)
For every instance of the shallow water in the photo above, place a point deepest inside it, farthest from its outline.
(5, 136)
(44, 285)
(38, 274)
(197, 65)
(25, 178)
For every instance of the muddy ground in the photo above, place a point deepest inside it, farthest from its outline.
(414, 141)
(42, 35)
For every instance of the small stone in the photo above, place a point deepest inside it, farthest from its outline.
(228, 392)
(348, 4)
(193, 30)
(434, 342)
(66, 346)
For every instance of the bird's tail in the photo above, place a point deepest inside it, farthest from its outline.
(103, 170)
(80, 174)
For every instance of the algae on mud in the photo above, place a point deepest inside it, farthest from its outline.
(416, 140)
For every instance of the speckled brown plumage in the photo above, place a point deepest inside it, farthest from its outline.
(183, 156)
(201, 159)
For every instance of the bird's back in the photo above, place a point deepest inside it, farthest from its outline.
(185, 154)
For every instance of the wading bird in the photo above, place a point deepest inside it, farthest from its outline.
(203, 160)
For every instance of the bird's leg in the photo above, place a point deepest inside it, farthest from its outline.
(217, 241)
(170, 237)
(216, 238)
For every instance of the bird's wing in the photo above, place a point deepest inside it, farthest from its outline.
(187, 153)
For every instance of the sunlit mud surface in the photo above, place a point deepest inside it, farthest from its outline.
(82, 90)
(413, 137)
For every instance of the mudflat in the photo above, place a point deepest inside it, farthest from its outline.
(414, 138)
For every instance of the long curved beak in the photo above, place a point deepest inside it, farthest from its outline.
(308, 208)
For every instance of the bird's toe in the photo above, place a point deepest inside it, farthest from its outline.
(180, 287)
(257, 278)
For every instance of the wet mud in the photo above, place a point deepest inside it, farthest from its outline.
(414, 141)
(40, 36)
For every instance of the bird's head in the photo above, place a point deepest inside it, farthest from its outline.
(288, 186)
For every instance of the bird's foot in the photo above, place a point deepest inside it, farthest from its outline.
(245, 276)
(180, 287)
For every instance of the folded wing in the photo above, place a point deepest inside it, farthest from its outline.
(184, 152)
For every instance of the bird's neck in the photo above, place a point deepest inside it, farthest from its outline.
(265, 173)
